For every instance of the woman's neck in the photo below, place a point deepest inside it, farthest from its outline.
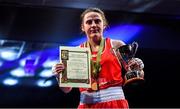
(95, 43)
(94, 46)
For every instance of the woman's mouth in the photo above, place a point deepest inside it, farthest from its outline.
(94, 31)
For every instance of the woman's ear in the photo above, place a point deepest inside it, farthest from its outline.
(104, 27)
(82, 27)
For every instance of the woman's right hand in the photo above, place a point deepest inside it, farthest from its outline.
(58, 68)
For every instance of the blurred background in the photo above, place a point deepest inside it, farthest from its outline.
(31, 32)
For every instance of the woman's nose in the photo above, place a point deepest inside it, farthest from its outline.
(93, 23)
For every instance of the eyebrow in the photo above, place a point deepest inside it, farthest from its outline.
(93, 19)
(92, 16)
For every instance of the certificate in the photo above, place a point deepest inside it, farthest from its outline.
(77, 67)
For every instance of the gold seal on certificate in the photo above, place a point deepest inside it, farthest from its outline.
(77, 67)
(94, 86)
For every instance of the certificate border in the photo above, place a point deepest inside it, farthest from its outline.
(64, 81)
(64, 78)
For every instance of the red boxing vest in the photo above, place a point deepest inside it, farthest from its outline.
(111, 72)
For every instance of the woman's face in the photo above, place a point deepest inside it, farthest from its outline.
(93, 25)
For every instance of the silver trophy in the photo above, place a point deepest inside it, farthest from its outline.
(127, 52)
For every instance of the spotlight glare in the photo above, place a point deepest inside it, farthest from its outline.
(124, 32)
(19, 72)
(22, 62)
(42, 83)
(49, 63)
(46, 73)
(78, 41)
(9, 55)
(10, 82)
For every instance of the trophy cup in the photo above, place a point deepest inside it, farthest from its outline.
(127, 52)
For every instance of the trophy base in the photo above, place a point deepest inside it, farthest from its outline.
(133, 81)
(133, 78)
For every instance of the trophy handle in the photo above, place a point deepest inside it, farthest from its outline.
(135, 47)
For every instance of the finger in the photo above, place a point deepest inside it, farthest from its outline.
(136, 63)
(134, 66)
(59, 71)
(59, 67)
(142, 74)
(140, 63)
(132, 62)
(56, 69)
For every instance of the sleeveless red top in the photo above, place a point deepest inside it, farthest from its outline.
(111, 73)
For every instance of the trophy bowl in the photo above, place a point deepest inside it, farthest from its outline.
(127, 52)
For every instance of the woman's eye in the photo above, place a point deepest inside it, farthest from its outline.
(97, 21)
(89, 22)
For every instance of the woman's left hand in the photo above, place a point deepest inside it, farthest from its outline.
(136, 64)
